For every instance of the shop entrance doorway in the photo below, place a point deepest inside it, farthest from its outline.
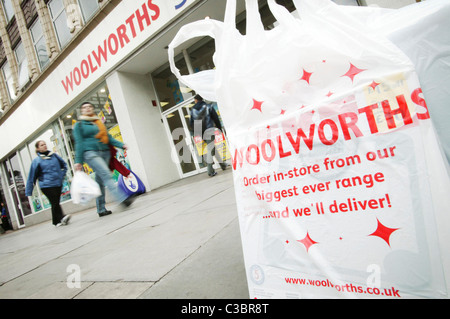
(16, 184)
(5, 218)
(185, 151)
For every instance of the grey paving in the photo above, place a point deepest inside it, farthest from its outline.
(179, 241)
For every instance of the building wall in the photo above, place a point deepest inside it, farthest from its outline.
(68, 71)
(142, 128)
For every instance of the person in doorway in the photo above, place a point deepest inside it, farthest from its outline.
(92, 146)
(204, 121)
(50, 169)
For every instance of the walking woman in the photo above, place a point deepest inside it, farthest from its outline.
(50, 169)
(92, 146)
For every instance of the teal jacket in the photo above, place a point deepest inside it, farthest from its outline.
(84, 135)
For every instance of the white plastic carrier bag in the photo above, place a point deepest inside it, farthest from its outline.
(83, 188)
(332, 148)
(420, 30)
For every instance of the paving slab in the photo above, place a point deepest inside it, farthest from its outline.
(169, 244)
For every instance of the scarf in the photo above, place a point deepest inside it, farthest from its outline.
(45, 155)
(102, 134)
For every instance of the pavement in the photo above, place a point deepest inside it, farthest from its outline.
(180, 241)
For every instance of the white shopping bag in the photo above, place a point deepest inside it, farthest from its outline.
(83, 188)
(331, 144)
(421, 32)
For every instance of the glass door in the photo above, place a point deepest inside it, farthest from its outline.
(185, 149)
(16, 185)
(6, 219)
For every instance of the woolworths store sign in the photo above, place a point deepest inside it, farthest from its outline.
(129, 25)
(125, 29)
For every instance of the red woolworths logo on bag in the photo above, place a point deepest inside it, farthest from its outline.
(137, 22)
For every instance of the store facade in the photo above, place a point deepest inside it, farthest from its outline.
(121, 67)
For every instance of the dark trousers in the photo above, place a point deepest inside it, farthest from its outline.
(5, 223)
(53, 194)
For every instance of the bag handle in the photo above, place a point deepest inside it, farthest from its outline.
(254, 23)
(230, 14)
(207, 27)
(283, 16)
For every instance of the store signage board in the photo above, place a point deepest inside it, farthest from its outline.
(120, 33)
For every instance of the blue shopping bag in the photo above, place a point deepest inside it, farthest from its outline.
(131, 185)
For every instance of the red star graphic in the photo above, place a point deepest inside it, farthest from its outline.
(282, 112)
(306, 76)
(329, 94)
(353, 71)
(374, 85)
(383, 232)
(307, 241)
(257, 105)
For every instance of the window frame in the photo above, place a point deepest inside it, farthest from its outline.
(55, 17)
(37, 40)
(84, 13)
(22, 64)
(8, 10)
(9, 81)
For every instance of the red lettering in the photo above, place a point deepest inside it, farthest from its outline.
(121, 32)
(272, 150)
(113, 48)
(248, 155)
(77, 76)
(420, 101)
(102, 52)
(370, 117)
(140, 18)
(403, 110)
(238, 158)
(334, 130)
(84, 69)
(280, 148)
(68, 82)
(308, 141)
(349, 125)
(130, 23)
(155, 9)
(90, 65)
(150, 11)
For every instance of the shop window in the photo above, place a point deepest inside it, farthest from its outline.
(55, 142)
(59, 19)
(7, 74)
(39, 44)
(22, 62)
(200, 55)
(88, 8)
(6, 221)
(8, 8)
(170, 91)
(17, 184)
(26, 161)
